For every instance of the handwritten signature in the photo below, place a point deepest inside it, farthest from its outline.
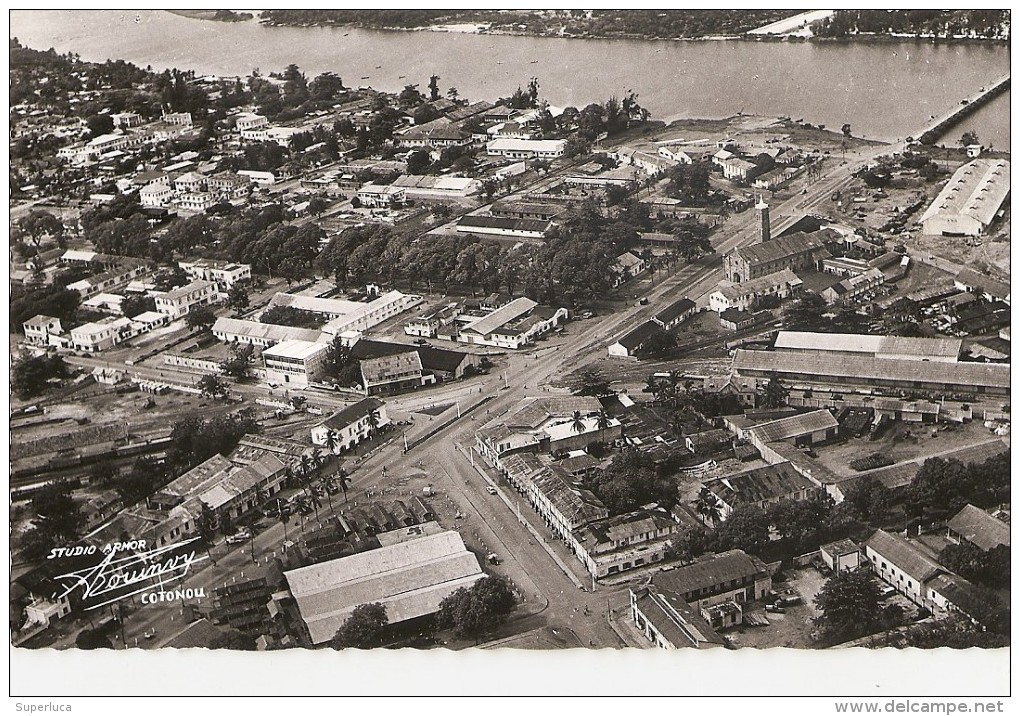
(114, 573)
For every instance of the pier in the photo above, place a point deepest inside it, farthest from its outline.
(967, 107)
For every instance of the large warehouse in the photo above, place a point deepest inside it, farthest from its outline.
(968, 203)
(946, 350)
(861, 370)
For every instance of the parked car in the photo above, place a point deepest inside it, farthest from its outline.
(775, 608)
(886, 592)
(239, 537)
(490, 489)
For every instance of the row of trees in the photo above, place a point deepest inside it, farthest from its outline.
(470, 612)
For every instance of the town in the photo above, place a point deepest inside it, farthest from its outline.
(415, 369)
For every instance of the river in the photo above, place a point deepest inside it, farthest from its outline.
(885, 90)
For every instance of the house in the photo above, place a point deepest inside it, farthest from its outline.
(850, 289)
(126, 120)
(295, 362)
(439, 133)
(747, 295)
(349, 426)
(190, 183)
(904, 566)
(344, 316)
(224, 274)
(734, 319)
(737, 169)
(155, 194)
(513, 326)
(970, 201)
(708, 441)
(441, 363)
(617, 544)
(627, 266)
(668, 621)
(100, 335)
(675, 313)
(525, 210)
(391, 373)
(841, 556)
(442, 187)
(40, 330)
(178, 302)
(197, 201)
(380, 196)
(731, 576)
(986, 287)
(410, 579)
(527, 148)
(123, 271)
(234, 330)
(761, 487)
(977, 528)
(801, 430)
(796, 252)
(250, 120)
(675, 154)
(628, 345)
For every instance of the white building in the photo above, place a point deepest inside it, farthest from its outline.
(527, 148)
(98, 336)
(350, 315)
(179, 301)
(39, 330)
(745, 296)
(376, 196)
(156, 194)
(250, 121)
(195, 202)
(428, 187)
(349, 426)
(224, 274)
(235, 330)
(295, 362)
(970, 201)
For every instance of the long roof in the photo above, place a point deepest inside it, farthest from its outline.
(989, 285)
(736, 291)
(865, 368)
(675, 619)
(907, 558)
(758, 485)
(295, 349)
(409, 579)
(504, 144)
(634, 338)
(795, 426)
(352, 413)
(783, 247)
(266, 331)
(979, 528)
(501, 316)
(709, 573)
(937, 348)
(534, 412)
(977, 190)
(383, 368)
(675, 310)
(504, 222)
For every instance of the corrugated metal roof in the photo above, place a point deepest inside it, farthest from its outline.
(501, 316)
(760, 484)
(864, 343)
(783, 247)
(907, 558)
(710, 572)
(979, 528)
(795, 426)
(977, 189)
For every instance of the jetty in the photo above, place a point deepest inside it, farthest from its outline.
(940, 125)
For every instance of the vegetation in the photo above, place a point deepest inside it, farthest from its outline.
(479, 610)
(341, 367)
(850, 606)
(991, 568)
(195, 439)
(200, 317)
(31, 376)
(58, 513)
(289, 316)
(631, 480)
(942, 487)
(937, 23)
(363, 629)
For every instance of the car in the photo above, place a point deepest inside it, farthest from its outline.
(886, 592)
(775, 608)
(490, 489)
(239, 537)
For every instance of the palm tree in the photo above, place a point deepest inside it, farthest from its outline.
(343, 480)
(602, 422)
(330, 441)
(329, 485)
(306, 466)
(577, 422)
(374, 423)
(708, 506)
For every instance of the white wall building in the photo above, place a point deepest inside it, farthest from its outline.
(179, 301)
(295, 362)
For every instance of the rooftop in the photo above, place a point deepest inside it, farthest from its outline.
(977, 190)
(633, 339)
(759, 485)
(710, 572)
(501, 316)
(675, 310)
(979, 528)
(297, 349)
(936, 348)
(352, 413)
(795, 426)
(266, 331)
(784, 247)
(735, 292)
(908, 558)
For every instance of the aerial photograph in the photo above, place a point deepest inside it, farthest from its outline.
(533, 330)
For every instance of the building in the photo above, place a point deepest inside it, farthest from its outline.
(628, 345)
(410, 579)
(442, 187)
(675, 313)
(897, 377)
(428, 324)
(970, 201)
(668, 621)
(731, 576)
(156, 194)
(526, 148)
(250, 121)
(761, 487)
(178, 302)
(796, 252)
(903, 566)
(737, 169)
(747, 295)
(344, 316)
(977, 528)
(224, 274)
(627, 266)
(853, 287)
(295, 362)
(547, 425)
(504, 226)
(526, 210)
(40, 330)
(349, 426)
(126, 120)
(234, 330)
(986, 287)
(391, 373)
(190, 182)
(120, 271)
(439, 133)
(100, 335)
(676, 154)
(512, 326)
(801, 429)
(944, 350)
(380, 196)
(841, 556)
(617, 544)
(440, 363)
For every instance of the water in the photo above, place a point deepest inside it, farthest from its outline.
(884, 90)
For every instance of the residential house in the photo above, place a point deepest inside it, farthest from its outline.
(224, 274)
(974, 526)
(731, 576)
(155, 194)
(747, 295)
(527, 148)
(178, 302)
(761, 487)
(439, 134)
(987, 287)
(376, 196)
(349, 426)
(41, 330)
(100, 335)
(841, 556)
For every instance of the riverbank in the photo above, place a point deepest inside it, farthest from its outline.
(214, 15)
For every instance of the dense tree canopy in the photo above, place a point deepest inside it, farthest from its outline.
(849, 605)
(365, 628)
(476, 611)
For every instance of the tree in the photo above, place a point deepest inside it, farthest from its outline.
(365, 628)
(773, 394)
(233, 639)
(631, 480)
(746, 528)
(590, 381)
(690, 183)
(238, 365)
(212, 386)
(478, 610)
(200, 317)
(40, 224)
(577, 422)
(131, 306)
(866, 498)
(237, 298)
(991, 568)
(939, 489)
(845, 129)
(55, 504)
(850, 605)
(340, 365)
(30, 376)
(36, 543)
(99, 124)
(92, 639)
(418, 162)
(708, 506)
(969, 138)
